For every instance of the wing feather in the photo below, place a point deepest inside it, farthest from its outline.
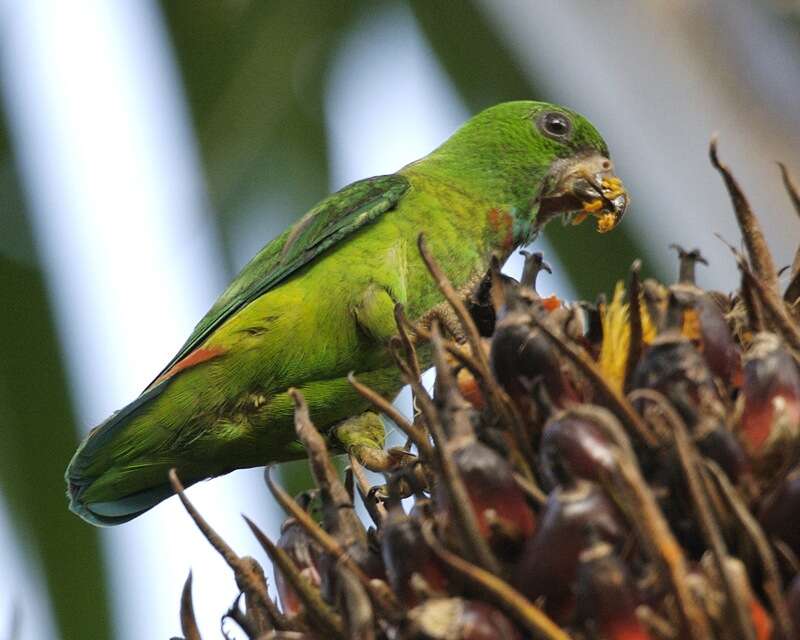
(331, 221)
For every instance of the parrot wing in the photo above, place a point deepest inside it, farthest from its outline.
(327, 224)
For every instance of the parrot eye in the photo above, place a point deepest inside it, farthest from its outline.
(555, 125)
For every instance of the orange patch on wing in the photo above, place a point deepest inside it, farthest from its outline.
(203, 354)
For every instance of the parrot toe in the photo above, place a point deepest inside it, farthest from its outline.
(382, 460)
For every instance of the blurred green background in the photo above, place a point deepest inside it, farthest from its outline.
(260, 86)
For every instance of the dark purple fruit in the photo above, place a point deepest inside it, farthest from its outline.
(306, 555)
(405, 554)
(575, 443)
(673, 366)
(522, 357)
(605, 598)
(548, 564)
(770, 421)
(504, 516)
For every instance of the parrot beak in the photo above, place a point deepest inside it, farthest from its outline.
(582, 186)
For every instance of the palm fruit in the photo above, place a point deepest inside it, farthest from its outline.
(503, 514)
(522, 359)
(622, 470)
(412, 570)
(699, 317)
(769, 426)
(606, 596)
(577, 443)
(306, 555)
(549, 562)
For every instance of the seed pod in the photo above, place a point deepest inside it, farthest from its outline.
(778, 513)
(605, 599)
(504, 517)
(769, 426)
(575, 443)
(306, 555)
(549, 562)
(522, 357)
(720, 445)
(367, 555)
(406, 555)
(458, 619)
(716, 341)
(674, 367)
(699, 317)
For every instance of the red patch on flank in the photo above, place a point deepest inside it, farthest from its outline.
(494, 219)
(500, 221)
(197, 356)
(508, 241)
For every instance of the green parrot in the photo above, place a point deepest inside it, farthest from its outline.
(318, 302)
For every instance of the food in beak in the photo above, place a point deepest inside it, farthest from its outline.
(583, 187)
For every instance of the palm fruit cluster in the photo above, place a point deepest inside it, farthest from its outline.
(626, 469)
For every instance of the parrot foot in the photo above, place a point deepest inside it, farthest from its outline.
(382, 460)
(410, 480)
(362, 437)
(448, 322)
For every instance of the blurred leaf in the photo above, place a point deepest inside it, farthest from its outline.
(486, 71)
(254, 75)
(37, 429)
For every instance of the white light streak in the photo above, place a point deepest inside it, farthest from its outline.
(120, 219)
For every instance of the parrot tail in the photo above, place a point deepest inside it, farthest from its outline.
(95, 463)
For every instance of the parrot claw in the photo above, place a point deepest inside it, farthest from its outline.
(411, 480)
(362, 437)
(448, 323)
(382, 460)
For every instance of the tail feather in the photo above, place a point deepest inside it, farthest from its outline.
(120, 510)
(81, 473)
(102, 435)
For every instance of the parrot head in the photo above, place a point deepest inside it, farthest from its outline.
(542, 159)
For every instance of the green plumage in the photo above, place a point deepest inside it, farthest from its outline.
(317, 302)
